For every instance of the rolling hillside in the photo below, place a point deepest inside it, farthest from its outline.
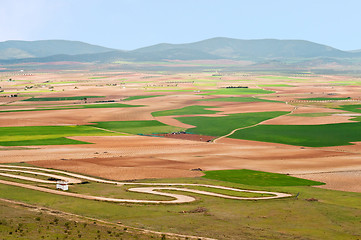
(45, 48)
(215, 48)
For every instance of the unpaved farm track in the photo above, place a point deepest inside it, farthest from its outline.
(150, 190)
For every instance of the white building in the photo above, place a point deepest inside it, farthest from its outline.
(63, 185)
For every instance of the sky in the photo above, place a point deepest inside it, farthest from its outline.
(131, 24)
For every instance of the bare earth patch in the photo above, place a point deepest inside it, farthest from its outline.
(343, 180)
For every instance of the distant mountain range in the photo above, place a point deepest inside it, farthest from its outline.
(45, 48)
(215, 48)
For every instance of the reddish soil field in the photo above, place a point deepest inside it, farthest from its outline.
(292, 120)
(186, 136)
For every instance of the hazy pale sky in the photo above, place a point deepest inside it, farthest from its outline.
(130, 24)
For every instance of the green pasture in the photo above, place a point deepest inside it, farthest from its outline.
(238, 99)
(61, 98)
(304, 135)
(28, 91)
(325, 99)
(83, 106)
(190, 110)
(236, 91)
(140, 97)
(323, 114)
(138, 127)
(351, 108)
(348, 83)
(42, 141)
(57, 135)
(337, 214)
(258, 178)
(97, 77)
(46, 135)
(219, 126)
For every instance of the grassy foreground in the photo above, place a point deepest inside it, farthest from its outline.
(334, 215)
(20, 222)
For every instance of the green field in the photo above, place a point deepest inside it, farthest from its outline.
(98, 105)
(46, 135)
(237, 91)
(325, 99)
(190, 110)
(304, 135)
(57, 135)
(42, 141)
(138, 127)
(337, 214)
(324, 114)
(61, 98)
(219, 126)
(97, 77)
(141, 97)
(258, 178)
(238, 99)
(351, 108)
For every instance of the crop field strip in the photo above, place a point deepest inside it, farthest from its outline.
(219, 126)
(141, 97)
(189, 110)
(237, 91)
(238, 99)
(77, 106)
(57, 135)
(61, 98)
(304, 135)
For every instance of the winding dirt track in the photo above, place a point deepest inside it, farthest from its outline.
(150, 190)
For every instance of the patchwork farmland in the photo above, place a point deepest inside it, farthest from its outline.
(162, 155)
